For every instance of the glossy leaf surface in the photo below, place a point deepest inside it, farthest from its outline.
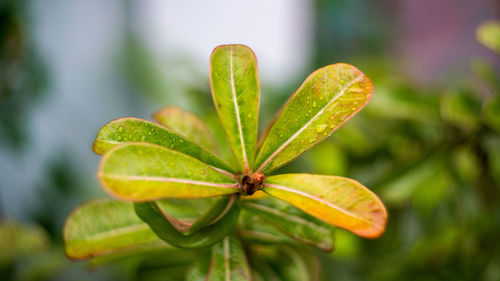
(489, 35)
(151, 213)
(124, 130)
(236, 93)
(141, 171)
(227, 261)
(294, 223)
(186, 124)
(106, 226)
(326, 100)
(339, 201)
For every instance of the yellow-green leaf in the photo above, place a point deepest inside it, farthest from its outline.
(326, 100)
(227, 261)
(186, 124)
(142, 171)
(125, 130)
(336, 200)
(106, 226)
(489, 35)
(236, 94)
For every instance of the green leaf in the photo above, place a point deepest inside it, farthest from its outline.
(142, 171)
(256, 229)
(336, 200)
(104, 227)
(125, 130)
(489, 35)
(187, 125)
(159, 222)
(236, 94)
(169, 266)
(227, 261)
(327, 99)
(294, 223)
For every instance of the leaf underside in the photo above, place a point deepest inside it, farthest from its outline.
(327, 99)
(336, 200)
(295, 223)
(205, 236)
(236, 93)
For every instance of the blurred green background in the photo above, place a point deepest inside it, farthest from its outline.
(428, 143)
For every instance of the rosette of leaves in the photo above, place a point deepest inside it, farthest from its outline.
(152, 168)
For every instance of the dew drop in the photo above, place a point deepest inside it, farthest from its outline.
(314, 104)
(312, 140)
(120, 129)
(143, 138)
(321, 128)
(119, 138)
(342, 81)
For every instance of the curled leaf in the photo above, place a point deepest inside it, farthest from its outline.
(159, 222)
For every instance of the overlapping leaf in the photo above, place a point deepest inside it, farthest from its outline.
(294, 223)
(124, 130)
(227, 261)
(205, 236)
(142, 171)
(326, 100)
(339, 201)
(186, 124)
(236, 93)
(104, 227)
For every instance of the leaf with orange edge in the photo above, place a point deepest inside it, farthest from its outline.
(142, 172)
(327, 99)
(235, 89)
(336, 200)
(103, 227)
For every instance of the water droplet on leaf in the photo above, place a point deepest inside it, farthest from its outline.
(321, 128)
